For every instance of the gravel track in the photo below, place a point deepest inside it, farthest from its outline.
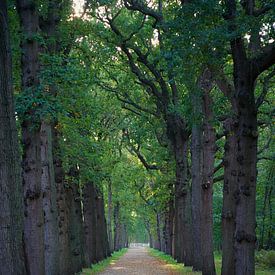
(138, 261)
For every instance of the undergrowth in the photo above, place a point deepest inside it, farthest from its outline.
(101, 266)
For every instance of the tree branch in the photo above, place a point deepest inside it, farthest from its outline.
(263, 61)
(266, 83)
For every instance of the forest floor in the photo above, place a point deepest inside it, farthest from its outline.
(138, 261)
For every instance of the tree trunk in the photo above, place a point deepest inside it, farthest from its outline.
(117, 227)
(270, 239)
(102, 245)
(183, 235)
(158, 232)
(246, 144)
(62, 208)
(148, 228)
(229, 199)
(109, 217)
(49, 202)
(197, 159)
(262, 233)
(90, 220)
(32, 171)
(11, 195)
(169, 227)
(178, 137)
(209, 150)
(76, 232)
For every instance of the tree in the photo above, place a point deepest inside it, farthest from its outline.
(11, 202)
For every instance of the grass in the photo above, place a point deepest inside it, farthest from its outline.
(178, 267)
(101, 266)
(172, 263)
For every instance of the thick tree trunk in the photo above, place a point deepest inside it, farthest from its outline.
(76, 232)
(183, 235)
(32, 171)
(169, 227)
(11, 195)
(62, 209)
(117, 228)
(197, 162)
(90, 223)
(109, 217)
(148, 228)
(229, 198)
(209, 150)
(49, 201)
(178, 137)
(270, 239)
(246, 137)
(262, 232)
(158, 222)
(102, 245)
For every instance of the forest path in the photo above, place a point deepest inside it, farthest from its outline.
(138, 261)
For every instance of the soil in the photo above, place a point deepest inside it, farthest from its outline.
(138, 261)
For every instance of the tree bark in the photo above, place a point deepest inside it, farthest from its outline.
(209, 150)
(109, 217)
(49, 201)
(229, 198)
(11, 195)
(197, 162)
(245, 235)
(176, 133)
(32, 170)
(76, 232)
(118, 243)
(62, 207)
(102, 245)
(90, 220)
(169, 227)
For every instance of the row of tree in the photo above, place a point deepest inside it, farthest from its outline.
(179, 54)
(139, 121)
(52, 215)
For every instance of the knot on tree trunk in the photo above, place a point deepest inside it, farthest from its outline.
(32, 194)
(241, 235)
(227, 215)
(245, 189)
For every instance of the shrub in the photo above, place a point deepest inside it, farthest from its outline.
(266, 258)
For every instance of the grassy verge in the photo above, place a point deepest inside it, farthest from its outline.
(172, 263)
(188, 270)
(101, 266)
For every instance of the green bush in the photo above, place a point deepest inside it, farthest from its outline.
(265, 258)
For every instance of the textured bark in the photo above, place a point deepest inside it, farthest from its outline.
(11, 195)
(49, 201)
(197, 162)
(120, 235)
(90, 219)
(148, 229)
(169, 224)
(183, 250)
(209, 150)
(76, 232)
(158, 241)
(247, 136)
(49, 188)
(102, 245)
(34, 220)
(62, 209)
(229, 199)
(109, 217)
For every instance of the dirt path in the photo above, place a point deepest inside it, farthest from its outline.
(138, 261)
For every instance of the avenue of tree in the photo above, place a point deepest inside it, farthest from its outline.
(136, 121)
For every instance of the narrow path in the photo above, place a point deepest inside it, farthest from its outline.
(138, 261)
